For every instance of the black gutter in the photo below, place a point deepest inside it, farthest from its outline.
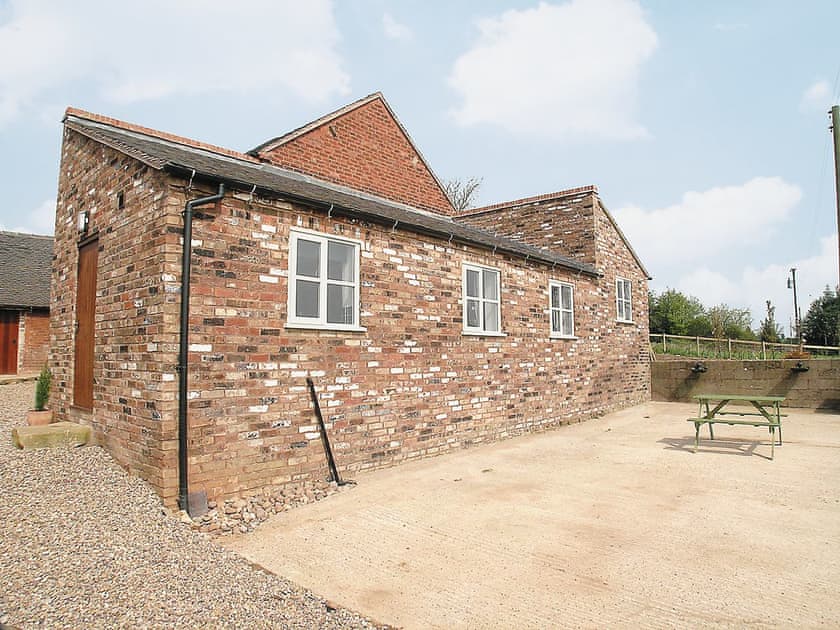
(535, 254)
(183, 352)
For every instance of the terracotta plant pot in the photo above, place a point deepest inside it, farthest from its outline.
(39, 418)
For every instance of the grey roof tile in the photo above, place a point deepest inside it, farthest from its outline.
(25, 270)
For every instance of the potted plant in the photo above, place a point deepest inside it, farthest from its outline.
(41, 415)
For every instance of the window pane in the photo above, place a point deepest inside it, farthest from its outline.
(491, 317)
(555, 296)
(341, 262)
(306, 299)
(340, 304)
(491, 286)
(473, 314)
(556, 321)
(567, 296)
(472, 283)
(568, 328)
(619, 289)
(308, 258)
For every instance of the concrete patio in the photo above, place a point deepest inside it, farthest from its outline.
(609, 523)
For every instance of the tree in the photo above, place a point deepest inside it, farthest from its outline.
(730, 323)
(673, 313)
(822, 323)
(770, 331)
(462, 193)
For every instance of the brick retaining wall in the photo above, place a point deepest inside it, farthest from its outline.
(818, 388)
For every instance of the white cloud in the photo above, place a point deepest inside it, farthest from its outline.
(750, 287)
(706, 223)
(41, 220)
(816, 97)
(160, 48)
(557, 70)
(395, 30)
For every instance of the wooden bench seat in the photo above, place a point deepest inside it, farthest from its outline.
(755, 423)
(772, 426)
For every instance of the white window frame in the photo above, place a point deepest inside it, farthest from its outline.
(561, 334)
(320, 322)
(481, 328)
(624, 300)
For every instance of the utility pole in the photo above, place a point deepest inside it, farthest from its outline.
(835, 128)
(795, 306)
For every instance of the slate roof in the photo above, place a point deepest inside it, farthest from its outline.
(196, 160)
(25, 270)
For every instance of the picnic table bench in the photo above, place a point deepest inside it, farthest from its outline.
(766, 408)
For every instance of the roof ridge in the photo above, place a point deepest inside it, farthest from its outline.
(27, 234)
(155, 133)
(536, 198)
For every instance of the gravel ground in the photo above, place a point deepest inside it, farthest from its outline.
(83, 544)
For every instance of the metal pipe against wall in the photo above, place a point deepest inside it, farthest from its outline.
(183, 350)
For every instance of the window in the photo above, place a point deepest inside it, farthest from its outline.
(562, 307)
(482, 314)
(623, 303)
(323, 282)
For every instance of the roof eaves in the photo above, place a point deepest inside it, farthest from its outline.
(90, 132)
(419, 224)
(190, 161)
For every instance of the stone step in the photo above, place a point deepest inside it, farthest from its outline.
(52, 435)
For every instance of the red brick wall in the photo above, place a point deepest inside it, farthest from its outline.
(367, 150)
(33, 341)
(564, 225)
(411, 385)
(134, 387)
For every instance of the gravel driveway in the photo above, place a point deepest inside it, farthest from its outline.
(82, 544)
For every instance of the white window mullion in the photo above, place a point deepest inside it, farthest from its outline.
(481, 292)
(345, 289)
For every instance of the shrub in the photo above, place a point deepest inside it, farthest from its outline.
(42, 389)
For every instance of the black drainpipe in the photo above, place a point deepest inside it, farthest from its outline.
(186, 256)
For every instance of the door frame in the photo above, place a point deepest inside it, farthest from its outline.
(10, 321)
(85, 324)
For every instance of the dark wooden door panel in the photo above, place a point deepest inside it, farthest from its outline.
(8, 342)
(85, 326)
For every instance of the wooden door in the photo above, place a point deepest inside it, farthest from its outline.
(8, 342)
(85, 326)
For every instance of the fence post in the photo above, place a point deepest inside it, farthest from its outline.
(698, 346)
(763, 351)
(664, 349)
(730, 348)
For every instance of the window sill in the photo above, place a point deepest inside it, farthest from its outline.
(482, 333)
(564, 337)
(624, 321)
(325, 328)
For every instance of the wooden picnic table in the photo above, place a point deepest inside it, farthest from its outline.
(714, 406)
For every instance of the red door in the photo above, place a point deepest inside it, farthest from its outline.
(85, 324)
(8, 342)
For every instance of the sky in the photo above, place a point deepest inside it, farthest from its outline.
(703, 124)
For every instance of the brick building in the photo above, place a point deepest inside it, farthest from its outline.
(333, 254)
(25, 272)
